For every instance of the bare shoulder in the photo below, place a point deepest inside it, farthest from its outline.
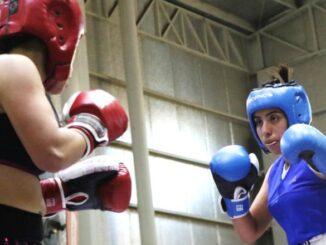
(14, 60)
(15, 66)
(19, 76)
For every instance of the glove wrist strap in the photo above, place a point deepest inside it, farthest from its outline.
(237, 208)
(92, 130)
(53, 195)
(89, 144)
(92, 124)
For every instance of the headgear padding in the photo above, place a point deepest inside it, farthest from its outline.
(290, 98)
(58, 23)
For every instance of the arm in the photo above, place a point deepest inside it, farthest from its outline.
(95, 118)
(23, 99)
(235, 172)
(255, 223)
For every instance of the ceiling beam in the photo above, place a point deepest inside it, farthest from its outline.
(218, 14)
(287, 3)
(305, 2)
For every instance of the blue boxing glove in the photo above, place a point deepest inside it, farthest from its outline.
(234, 172)
(302, 141)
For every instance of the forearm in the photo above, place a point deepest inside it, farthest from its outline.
(251, 226)
(93, 119)
(63, 148)
(248, 228)
(227, 165)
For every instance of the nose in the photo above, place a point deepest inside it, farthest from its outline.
(266, 129)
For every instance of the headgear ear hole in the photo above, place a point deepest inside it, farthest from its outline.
(59, 25)
(57, 12)
(61, 39)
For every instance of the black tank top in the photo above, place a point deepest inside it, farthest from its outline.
(12, 151)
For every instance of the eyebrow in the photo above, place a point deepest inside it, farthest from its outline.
(269, 113)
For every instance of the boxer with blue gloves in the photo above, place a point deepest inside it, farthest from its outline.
(279, 115)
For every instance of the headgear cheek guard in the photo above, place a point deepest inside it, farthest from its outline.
(58, 23)
(291, 98)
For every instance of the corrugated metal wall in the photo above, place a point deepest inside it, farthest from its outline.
(194, 104)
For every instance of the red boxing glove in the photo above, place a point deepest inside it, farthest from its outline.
(97, 115)
(94, 183)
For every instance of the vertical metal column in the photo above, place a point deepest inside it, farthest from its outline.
(137, 120)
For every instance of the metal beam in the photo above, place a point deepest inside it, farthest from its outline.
(216, 14)
(276, 39)
(305, 2)
(164, 97)
(287, 3)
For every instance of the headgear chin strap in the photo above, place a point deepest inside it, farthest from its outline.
(58, 23)
(290, 97)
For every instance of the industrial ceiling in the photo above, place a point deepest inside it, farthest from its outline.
(247, 16)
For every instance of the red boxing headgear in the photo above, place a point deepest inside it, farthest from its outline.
(58, 23)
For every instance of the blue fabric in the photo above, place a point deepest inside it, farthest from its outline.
(298, 202)
(237, 208)
(291, 98)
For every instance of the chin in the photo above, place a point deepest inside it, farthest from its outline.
(275, 150)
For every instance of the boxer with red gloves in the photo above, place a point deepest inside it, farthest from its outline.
(94, 183)
(38, 42)
(97, 115)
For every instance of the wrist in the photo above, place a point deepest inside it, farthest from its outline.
(96, 131)
(88, 139)
(237, 208)
(53, 195)
(91, 129)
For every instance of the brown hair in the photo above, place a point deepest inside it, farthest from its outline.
(279, 74)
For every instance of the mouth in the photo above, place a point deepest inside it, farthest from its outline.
(271, 143)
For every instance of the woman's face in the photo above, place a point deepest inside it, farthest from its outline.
(270, 126)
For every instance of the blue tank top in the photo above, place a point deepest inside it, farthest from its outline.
(298, 201)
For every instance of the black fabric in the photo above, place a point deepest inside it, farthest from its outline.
(12, 151)
(20, 227)
(88, 184)
(226, 188)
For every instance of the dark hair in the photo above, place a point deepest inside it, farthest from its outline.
(282, 76)
(7, 44)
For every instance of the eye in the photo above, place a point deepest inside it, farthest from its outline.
(258, 122)
(275, 117)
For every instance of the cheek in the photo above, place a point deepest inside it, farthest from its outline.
(284, 126)
(282, 129)
(258, 131)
